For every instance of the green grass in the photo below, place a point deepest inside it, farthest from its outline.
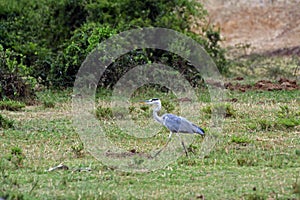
(257, 156)
(11, 105)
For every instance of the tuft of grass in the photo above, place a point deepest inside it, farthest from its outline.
(296, 187)
(244, 161)
(168, 106)
(240, 140)
(78, 149)
(5, 123)
(287, 122)
(256, 196)
(223, 109)
(287, 118)
(11, 105)
(49, 103)
(265, 124)
(16, 156)
(104, 113)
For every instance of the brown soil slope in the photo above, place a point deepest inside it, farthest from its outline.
(268, 26)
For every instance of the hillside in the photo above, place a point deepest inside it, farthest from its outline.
(271, 27)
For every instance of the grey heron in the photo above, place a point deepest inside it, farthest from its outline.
(175, 124)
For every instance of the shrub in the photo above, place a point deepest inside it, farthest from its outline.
(104, 113)
(220, 109)
(240, 140)
(11, 105)
(50, 39)
(49, 103)
(15, 80)
(286, 118)
(16, 156)
(5, 123)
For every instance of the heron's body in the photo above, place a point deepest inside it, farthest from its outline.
(178, 124)
(174, 123)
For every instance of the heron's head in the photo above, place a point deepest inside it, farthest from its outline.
(151, 101)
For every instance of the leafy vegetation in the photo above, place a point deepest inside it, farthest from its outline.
(11, 105)
(46, 41)
(224, 109)
(5, 123)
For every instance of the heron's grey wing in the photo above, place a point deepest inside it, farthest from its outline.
(171, 121)
(180, 124)
(177, 124)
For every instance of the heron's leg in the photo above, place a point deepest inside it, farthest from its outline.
(169, 138)
(186, 153)
(170, 135)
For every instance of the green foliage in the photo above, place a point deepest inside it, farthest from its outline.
(74, 51)
(46, 41)
(77, 149)
(168, 106)
(221, 109)
(49, 103)
(5, 123)
(256, 196)
(104, 113)
(16, 81)
(11, 105)
(296, 187)
(16, 156)
(287, 118)
(245, 160)
(240, 140)
(288, 122)
(265, 124)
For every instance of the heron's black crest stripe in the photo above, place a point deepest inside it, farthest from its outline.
(155, 99)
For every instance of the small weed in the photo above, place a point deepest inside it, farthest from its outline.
(11, 105)
(284, 112)
(77, 149)
(168, 106)
(286, 118)
(16, 151)
(256, 196)
(287, 122)
(223, 109)
(246, 161)
(252, 126)
(104, 113)
(240, 140)
(16, 156)
(145, 108)
(265, 124)
(5, 123)
(296, 188)
(49, 103)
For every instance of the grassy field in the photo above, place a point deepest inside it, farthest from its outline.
(257, 156)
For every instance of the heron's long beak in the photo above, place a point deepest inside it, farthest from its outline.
(144, 102)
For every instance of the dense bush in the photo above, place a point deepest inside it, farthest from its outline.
(46, 41)
(16, 81)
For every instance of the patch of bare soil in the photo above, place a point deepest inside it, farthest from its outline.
(269, 27)
(264, 85)
(130, 153)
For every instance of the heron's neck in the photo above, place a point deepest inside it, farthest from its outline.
(155, 111)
